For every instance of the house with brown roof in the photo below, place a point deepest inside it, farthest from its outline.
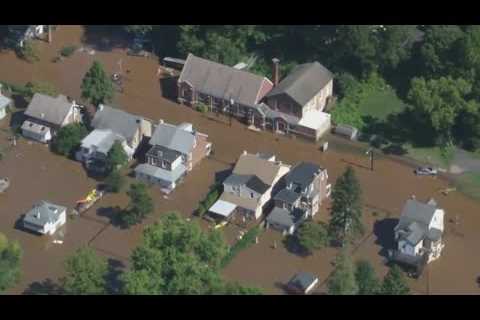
(248, 190)
(220, 87)
(46, 114)
(294, 105)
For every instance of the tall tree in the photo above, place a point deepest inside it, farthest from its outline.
(10, 260)
(342, 281)
(177, 257)
(116, 157)
(68, 138)
(395, 44)
(395, 283)
(312, 235)
(85, 273)
(140, 205)
(346, 222)
(367, 281)
(97, 86)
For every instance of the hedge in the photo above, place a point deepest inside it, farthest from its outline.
(247, 240)
(212, 196)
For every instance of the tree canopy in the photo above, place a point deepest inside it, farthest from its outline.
(68, 138)
(367, 281)
(177, 257)
(312, 235)
(97, 87)
(116, 157)
(85, 273)
(10, 262)
(140, 205)
(342, 281)
(395, 283)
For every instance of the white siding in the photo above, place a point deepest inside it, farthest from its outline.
(437, 220)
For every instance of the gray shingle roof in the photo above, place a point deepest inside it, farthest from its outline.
(174, 138)
(285, 218)
(287, 196)
(303, 83)
(163, 153)
(103, 140)
(257, 185)
(416, 211)
(237, 179)
(120, 122)
(46, 108)
(303, 174)
(44, 212)
(222, 81)
(303, 280)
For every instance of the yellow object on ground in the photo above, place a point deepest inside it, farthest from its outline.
(221, 224)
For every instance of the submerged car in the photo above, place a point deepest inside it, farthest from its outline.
(426, 171)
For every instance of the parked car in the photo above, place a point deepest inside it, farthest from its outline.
(426, 171)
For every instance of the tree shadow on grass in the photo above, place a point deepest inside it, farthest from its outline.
(383, 230)
(291, 244)
(45, 287)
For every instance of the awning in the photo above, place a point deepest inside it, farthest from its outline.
(223, 208)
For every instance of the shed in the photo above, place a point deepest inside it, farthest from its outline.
(346, 131)
(303, 282)
(45, 218)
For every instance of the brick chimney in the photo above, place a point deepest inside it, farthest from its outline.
(275, 72)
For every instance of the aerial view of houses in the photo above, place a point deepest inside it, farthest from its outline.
(239, 159)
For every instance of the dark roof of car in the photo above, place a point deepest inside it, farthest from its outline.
(303, 83)
(303, 280)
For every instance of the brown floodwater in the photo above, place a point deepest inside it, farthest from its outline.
(38, 174)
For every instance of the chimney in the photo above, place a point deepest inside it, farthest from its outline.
(244, 152)
(275, 73)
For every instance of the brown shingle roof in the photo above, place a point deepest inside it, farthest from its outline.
(222, 81)
(250, 164)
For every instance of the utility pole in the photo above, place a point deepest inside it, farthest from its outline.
(370, 153)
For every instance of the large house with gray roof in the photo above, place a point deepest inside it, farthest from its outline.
(46, 114)
(419, 232)
(5, 103)
(294, 105)
(248, 190)
(45, 218)
(174, 150)
(303, 190)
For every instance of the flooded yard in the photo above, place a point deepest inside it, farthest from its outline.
(37, 174)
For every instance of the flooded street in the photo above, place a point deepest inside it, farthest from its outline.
(37, 174)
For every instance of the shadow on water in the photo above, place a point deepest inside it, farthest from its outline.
(168, 86)
(105, 37)
(292, 246)
(45, 287)
(383, 230)
(115, 269)
(112, 214)
(220, 176)
(17, 119)
(19, 101)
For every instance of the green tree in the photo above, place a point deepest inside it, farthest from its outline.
(140, 205)
(68, 139)
(85, 273)
(438, 102)
(10, 260)
(342, 281)
(116, 157)
(97, 86)
(177, 257)
(367, 281)
(346, 222)
(395, 44)
(138, 30)
(115, 181)
(28, 52)
(395, 283)
(312, 235)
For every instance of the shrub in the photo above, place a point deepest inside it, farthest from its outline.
(212, 196)
(115, 181)
(67, 51)
(69, 138)
(203, 108)
(28, 52)
(242, 244)
(312, 235)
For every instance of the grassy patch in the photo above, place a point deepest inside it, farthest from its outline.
(469, 184)
(431, 155)
(381, 103)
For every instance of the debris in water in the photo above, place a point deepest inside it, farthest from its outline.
(58, 241)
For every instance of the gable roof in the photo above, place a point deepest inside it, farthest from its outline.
(120, 122)
(416, 211)
(303, 83)
(303, 174)
(287, 196)
(250, 164)
(222, 81)
(257, 185)
(44, 212)
(173, 137)
(103, 140)
(303, 280)
(285, 218)
(49, 109)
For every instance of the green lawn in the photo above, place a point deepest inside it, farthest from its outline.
(469, 183)
(379, 104)
(432, 156)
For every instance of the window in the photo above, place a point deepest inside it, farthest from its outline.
(251, 195)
